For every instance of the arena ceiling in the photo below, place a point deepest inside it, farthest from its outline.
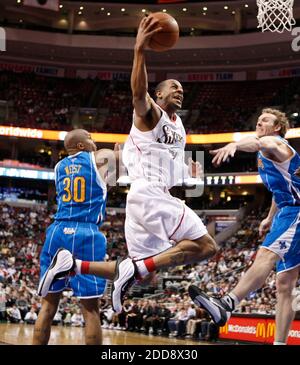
(94, 20)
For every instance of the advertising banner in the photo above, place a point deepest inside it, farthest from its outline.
(208, 76)
(260, 330)
(278, 73)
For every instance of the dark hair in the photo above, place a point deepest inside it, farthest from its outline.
(160, 86)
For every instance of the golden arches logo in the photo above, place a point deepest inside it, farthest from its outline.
(260, 330)
(271, 329)
(224, 329)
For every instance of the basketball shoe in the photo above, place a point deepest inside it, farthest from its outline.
(62, 265)
(125, 277)
(218, 309)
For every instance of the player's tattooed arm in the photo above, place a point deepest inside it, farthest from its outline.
(178, 258)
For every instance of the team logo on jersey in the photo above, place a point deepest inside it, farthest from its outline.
(282, 245)
(169, 136)
(260, 164)
(69, 230)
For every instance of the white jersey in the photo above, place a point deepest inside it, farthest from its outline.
(157, 155)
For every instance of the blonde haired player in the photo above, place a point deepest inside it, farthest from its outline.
(278, 166)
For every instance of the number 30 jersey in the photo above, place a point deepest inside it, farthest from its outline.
(81, 192)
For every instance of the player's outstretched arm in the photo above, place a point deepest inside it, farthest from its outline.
(248, 144)
(146, 112)
(271, 147)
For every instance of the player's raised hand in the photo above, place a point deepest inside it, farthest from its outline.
(264, 227)
(221, 154)
(195, 169)
(297, 172)
(147, 27)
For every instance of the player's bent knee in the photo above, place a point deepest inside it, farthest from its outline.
(212, 247)
(266, 256)
(208, 245)
(285, 284)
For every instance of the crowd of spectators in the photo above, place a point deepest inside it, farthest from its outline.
(51, 103)
(161, 308)
(42, 102)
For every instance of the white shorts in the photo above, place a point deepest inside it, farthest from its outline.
(155, 219)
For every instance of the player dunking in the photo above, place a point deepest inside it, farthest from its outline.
(278, 166)
(154, 156)
(81, 197)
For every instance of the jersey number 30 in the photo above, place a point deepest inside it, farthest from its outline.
(78, 190)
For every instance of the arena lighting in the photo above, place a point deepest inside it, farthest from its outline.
(205, 8)
(209, 179)
(26, 173)
(51, 135)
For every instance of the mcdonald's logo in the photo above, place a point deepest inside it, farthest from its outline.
(271, 328)
(260, 330)
(224, 329)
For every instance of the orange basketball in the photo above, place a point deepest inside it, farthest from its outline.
(168, 36)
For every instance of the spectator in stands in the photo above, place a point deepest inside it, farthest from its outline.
(30, 317)
(77, 319)
(13, 314)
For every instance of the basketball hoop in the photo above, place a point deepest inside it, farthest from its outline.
(275, 15)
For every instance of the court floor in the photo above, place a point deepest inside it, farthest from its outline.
(21, 334)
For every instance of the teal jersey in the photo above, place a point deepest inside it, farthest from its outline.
(280, 178)
(81, 192)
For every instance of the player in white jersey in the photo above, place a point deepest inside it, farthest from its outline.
(278, 166)
(160, 230)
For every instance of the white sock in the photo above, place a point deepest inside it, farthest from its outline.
(78, 266)
(232, 300)
(279, 343)
(143, 271)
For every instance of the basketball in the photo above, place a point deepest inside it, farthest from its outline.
(168, 36)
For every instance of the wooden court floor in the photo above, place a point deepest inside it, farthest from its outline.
(21, 334)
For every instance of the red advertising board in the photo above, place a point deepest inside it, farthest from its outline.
(257, 330)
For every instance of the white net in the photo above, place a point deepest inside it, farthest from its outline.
(275, 15)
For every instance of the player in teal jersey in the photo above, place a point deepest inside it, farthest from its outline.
(278, 166)
(80, 180)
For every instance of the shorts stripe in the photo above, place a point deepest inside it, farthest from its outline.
(179, 223)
